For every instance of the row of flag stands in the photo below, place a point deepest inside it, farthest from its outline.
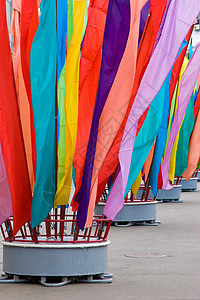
(98, 95)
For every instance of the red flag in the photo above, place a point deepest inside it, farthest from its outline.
(11, 133)
(197, 105)
(29, 24)
(177, 66)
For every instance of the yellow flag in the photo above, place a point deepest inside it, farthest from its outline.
(174, 149)
(71, 101)
(136, 184)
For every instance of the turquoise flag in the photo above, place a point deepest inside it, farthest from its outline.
(43, 83)
(161, 139)
(162, 133)
(184, 139)
(146, 136)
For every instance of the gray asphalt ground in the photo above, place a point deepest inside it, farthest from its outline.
(166, 263)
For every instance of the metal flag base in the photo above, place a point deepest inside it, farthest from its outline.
(55, 264)
(134, 213)
(190, 185)
(172, 195)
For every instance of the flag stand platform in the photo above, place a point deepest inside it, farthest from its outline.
(56, 252)
(134, 212)
(189, 186)
(172, 196)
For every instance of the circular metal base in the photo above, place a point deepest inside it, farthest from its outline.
(190, 185)
(172, 195)
(57, 260)
(133, 212)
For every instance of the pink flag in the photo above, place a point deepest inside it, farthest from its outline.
(187, 85)
(5, 197)
(178, 21)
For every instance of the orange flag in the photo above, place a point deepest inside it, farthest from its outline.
(194, 150)
(117, 102)
(23, 103)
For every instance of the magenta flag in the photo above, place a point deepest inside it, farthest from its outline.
(180, 17)
(5, 197)
(187, 85)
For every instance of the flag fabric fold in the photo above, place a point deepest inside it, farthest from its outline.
(117, 25)
(144, 53)
(194, 150)
(5, 196)
(43, 83)
(11, 133)
(116, 103)
(29, 24)
(187, 84)
(71, 101)
(88, 82)
(180, 17)
(23, 102)
(61, 98)
(162, 133)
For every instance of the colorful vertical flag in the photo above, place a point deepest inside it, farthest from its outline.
(117, 25)
(144, 53)
(181, 17)
(23, 102)
(71, 101)
(61, 95)
(187, 84)
(194, 150)
(11, 134)
(43, 84)
(184, 138)
(88, 82)
(5, 196)
(29, 24)
(117, 102)
(162, 133)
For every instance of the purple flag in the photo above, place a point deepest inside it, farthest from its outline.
(114, 43)
(178, 21)
(187, 85)
(5, 197)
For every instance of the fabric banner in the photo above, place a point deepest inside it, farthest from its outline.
(117, 25)
(184, 138)
(29, 24)
(43, 83)
(11, 133)
(144, 53)
(194, 150)
(22, 98)
(180, 17)
(5, 196)
(61, 100)
(71, 102)
(116, 103)
(162, 133)
(186, 88)
(88, 82)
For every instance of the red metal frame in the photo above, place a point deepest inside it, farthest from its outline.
(130, 198)
(57, 230)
